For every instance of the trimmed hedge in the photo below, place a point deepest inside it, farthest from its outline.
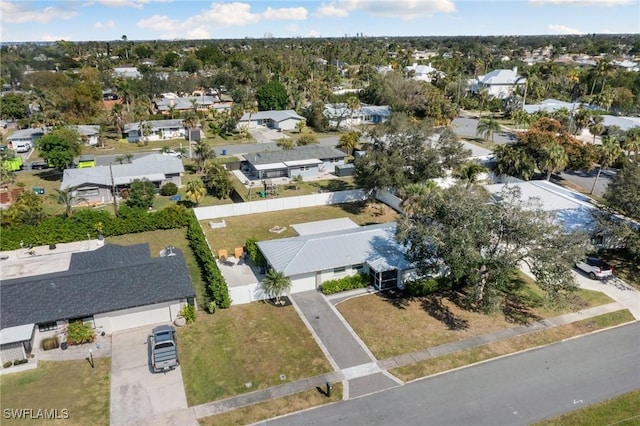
(216, 286)
(254, 252)
(60, 229)
(347, 283)
(427, 286)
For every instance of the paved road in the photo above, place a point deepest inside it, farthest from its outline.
(585, 179)
(466, 128)
(514, 390)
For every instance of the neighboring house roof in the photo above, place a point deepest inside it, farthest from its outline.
(25, 134)
(501, 77)
(153, 167)
(19, 333)
(184, 103)
(121, 283)
(334, 111)
(86, 129)
(155, 125)
(127, 72)
(276, 116)
(551, 105)
(328, 225)
(625, 123)
(298, 154)
(572, 210)
(375, 244)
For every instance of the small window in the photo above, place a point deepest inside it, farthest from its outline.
(339, 271)
(48, 326)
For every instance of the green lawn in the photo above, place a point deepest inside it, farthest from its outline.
(246, 348)
(239, 228)
(71, 385)
(162, 238)
(47, 179)
(623, 410)
(512, 345)
(412, 324)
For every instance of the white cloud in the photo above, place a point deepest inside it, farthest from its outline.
(218, 16)
(286, 13)
(331, 10)
(50, 37)
(403, 9)
(21, 13)
(136, 4)
(563, 29)
(109, 24)
(583, 2)
(313, 33)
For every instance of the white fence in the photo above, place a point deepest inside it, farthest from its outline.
(277, 204)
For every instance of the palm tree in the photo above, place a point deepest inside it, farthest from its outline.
(483, 96)
(632, 142)
(554, 160)
(275, 284)
(145, 130)
(172, 109)
(68, 198)
(413, 194)
(581, 120)
(126, 52)
(596, 128)
(468, 172)
(204, 152)
(190, 122)
(349, 141)
(608, 153)
(487, 127)
(195, 190)
(520, 117)
(353, 103)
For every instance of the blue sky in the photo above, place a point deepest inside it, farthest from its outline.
(23, 20)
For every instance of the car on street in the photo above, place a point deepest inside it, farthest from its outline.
(39, 165)
(595, 268)
(172, 153)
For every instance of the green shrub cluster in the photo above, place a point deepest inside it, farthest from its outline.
(254, 252)
(425, 287)
(61, 229)
(50, 343)
(216, 286)
(188, 312)
(20, 361)
(169, 189)
(347, 283)
(7, 364)
(79, 333)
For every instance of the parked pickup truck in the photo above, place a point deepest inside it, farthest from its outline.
(164, 352)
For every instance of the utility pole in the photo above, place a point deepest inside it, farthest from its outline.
(113, 191)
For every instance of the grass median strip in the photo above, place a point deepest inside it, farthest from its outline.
(56, 386)
(246, 348)
(623, 410)
(511, 345)
(275, 407)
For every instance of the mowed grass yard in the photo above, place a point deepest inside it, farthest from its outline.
(245, 348)
(159, 240)
(239, 228)
(71, 385)
(392, 326)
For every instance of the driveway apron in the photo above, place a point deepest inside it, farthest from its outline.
(139, 396)
(331, 329)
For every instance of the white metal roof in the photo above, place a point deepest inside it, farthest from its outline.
(270, 166)
(319, 252)
(320, 226)
(302, 162)
(19, 333)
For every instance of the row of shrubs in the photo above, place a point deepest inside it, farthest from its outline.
(216, 286)
(60, 229)
(16, 362)
(426, 286)
(347, 283)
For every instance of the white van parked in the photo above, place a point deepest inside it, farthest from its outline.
(21, 146)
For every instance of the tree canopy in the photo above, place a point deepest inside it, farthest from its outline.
(481, 243)
(141, 194)
(272, 96)
(60, 147)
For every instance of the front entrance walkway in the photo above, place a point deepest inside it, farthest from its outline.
(344, 349)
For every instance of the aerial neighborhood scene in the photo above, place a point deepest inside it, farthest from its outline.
(293, 213)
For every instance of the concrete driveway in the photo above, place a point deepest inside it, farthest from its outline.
(139, 396)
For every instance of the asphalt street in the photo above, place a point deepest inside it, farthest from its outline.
(514, 390)
(467, 127)
(585, 179)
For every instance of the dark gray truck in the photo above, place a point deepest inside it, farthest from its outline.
(164, 352)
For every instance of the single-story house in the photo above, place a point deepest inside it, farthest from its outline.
(423, 72)
(158, 130)
(112, 288)
(312, 258)
(570, 209)
(624, 123)
(95, 184)
(499, 83)
(278, 120)
(127, 72)
(307, 161)
(20, 137)
(339, 115)
(89, 134)
(202, 102)
(553, 105)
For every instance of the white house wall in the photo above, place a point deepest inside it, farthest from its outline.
(137, 317)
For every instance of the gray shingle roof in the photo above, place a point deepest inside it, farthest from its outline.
(155, 125)
(123, 279)
(317, 252)
(307, 152)
(153, 167)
